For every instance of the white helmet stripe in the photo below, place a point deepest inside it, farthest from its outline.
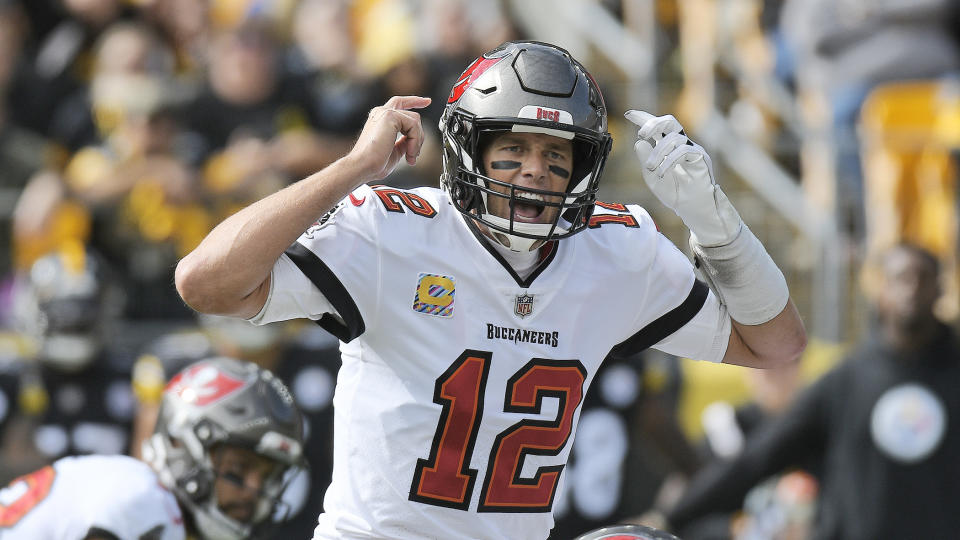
(523, 128)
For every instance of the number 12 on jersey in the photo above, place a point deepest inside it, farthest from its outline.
(446, 479)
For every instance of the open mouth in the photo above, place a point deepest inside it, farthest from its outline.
(242, 512)
(530, 208)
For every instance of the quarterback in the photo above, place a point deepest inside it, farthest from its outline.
(473, 318)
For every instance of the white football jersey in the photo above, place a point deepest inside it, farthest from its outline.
(461, 382)
(115, 495)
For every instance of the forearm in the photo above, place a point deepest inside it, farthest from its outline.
(234, 261)
(791, 439)
(766, 328)
(718, 488)
(776, 342)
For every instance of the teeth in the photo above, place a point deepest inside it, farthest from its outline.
(531, 196)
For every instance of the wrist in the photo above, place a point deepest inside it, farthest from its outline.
(744, 277)
(353, 168)
(713, 220)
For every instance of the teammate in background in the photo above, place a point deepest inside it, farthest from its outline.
(473, 318)
(303, 356)
(882, 427)
(227, 439)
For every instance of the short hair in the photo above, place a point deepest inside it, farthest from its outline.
(914, 249)
(873, 271)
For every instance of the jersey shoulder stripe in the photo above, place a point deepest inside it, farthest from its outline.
(332, 288)
(665, 325)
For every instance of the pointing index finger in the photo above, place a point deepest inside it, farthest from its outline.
(408, 102)
(638, 117)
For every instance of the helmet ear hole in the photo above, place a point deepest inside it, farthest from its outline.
(196, 484)
(208, 433)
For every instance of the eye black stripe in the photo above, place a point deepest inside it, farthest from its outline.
(559, 171)
(505, 165)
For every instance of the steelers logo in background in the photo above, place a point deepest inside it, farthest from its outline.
(908, 423)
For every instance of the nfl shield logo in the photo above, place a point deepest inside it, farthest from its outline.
(524, 305)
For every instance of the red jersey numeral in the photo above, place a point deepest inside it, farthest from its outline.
(26, 493)
(503, 489)
(445, 478)
(393, 198)
(627, 220)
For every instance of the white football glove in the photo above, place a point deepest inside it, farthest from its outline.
(680, 174)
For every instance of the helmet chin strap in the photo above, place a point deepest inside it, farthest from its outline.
(514, 242)
(215, 525)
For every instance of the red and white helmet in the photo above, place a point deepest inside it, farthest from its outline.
(223, 401)
(524, 86)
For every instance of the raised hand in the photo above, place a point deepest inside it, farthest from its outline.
(680, 174)
(392, 131)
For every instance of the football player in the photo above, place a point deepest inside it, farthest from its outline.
(227, 441)
(474, 317)
(69, 388)
(305, 357)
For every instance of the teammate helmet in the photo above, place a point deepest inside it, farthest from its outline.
(67, 304)
(223, 401)
(626, 532)
(524, 86)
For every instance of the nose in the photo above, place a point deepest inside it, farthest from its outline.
(254, 481)
(534, 168)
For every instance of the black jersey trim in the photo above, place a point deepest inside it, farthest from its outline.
(332, 288)
(100, 533)
(666, 324)
(552, 245)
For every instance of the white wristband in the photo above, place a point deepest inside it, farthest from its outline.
(744, 277)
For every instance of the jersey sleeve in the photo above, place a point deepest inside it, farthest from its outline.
(331, 273)
(292, 295)
(705, 336)
(679, 314)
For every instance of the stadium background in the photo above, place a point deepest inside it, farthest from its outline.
(131, 127)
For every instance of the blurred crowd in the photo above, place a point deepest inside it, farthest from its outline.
(129, 128)
(135, 126)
